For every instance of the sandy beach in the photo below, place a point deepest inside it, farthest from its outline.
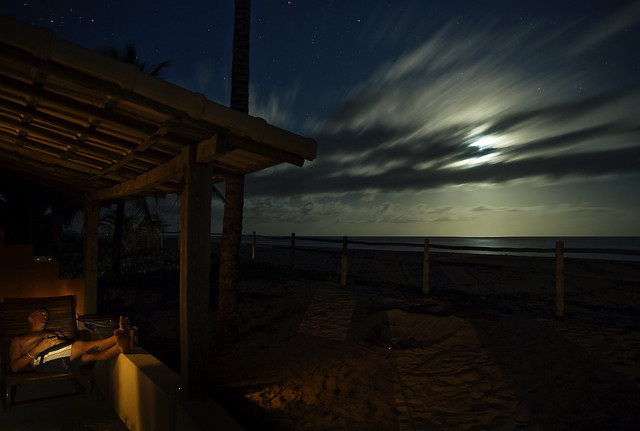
(483, 351)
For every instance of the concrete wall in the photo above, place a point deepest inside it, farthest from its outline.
(146, 395)
(20, 276)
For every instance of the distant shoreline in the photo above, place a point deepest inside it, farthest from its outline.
(416, 244)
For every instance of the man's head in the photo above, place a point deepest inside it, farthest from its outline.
(38, 319)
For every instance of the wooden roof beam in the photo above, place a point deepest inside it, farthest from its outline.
(271, 152)
(146, 143)
(212, 149)
(171, 170)
(135, 125)
(206, 152)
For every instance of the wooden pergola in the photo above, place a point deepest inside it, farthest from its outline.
(100, 131)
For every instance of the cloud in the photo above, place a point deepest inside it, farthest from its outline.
(481, 208)
(500, 106)
(271, 106)
(204, 73)
(312, 210)
(614, 24)
(398, 168)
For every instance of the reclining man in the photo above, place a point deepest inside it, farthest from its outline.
(46, 351)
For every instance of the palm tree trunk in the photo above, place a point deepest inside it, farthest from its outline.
(229, 257)
(240, 63)
(234, 201)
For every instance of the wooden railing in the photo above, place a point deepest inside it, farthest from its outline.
(559, 250)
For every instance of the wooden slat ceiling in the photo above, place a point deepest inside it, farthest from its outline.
(82, 123)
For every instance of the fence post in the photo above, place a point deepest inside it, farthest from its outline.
(559, 279)
(425, 269)
(343, 272)
(293, 249)
(253, 246)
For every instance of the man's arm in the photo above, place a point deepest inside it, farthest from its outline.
(33, 346)
(17, 360)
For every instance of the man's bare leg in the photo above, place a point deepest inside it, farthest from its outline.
(101, 356)
(123, 342)
(103, 349)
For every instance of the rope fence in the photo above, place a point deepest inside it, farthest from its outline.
(343, 247)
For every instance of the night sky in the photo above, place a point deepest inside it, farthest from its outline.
(473, 118)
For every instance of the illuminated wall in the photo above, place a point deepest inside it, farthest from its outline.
(20, 276)
(146, 395)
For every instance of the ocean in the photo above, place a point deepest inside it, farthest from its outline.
(500, 245)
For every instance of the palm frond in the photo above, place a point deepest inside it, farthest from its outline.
(130, 55)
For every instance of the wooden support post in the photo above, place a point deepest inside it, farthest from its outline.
(293, 249)
(91, 221)
(195, 256)
(343, 272)
(425, 269)
(253, 246)
(559, 279)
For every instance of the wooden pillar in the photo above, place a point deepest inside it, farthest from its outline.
(230, 257)
(91, 220)
(559, 279)
(195, 255)
(425, 269)
(343, 272)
